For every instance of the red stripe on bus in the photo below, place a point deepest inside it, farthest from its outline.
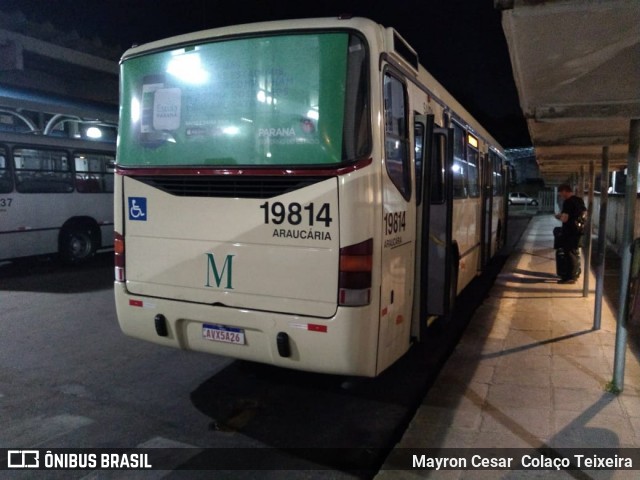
(135, 303)
(267, 172)
(317, 328)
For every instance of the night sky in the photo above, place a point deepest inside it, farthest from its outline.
(460, 42)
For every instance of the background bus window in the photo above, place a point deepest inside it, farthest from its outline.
(498, 185)
(459, 163)
(396, 135)
(42, 171)
(94, 173)
(437, 170)
(419, 151)
(6, 185)
(473, 172)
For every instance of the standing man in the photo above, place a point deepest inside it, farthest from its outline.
(573, 217)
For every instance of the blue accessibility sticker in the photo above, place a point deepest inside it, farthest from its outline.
(138, 208)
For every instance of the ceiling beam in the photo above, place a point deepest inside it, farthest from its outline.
(604, 110)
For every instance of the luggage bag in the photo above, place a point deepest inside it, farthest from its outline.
(563, 264)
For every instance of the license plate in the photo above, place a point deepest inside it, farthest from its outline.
(220, 333)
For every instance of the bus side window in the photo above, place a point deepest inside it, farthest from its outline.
(498, 188)
(397, 135)
(42, 171)
(419, 149)
(93, 174)
(459, 163)
(473, 171)
(437, 170)
(6, 185)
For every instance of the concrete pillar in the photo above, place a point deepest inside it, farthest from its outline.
(602, 238)
(586, 249)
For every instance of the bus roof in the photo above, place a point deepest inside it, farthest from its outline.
(248, 28)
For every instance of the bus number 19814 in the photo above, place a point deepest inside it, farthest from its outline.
(294, 213)
(395, 222)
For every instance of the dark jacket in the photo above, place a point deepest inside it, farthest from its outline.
(575, 208)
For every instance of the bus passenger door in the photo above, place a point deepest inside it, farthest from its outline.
(439, 277)
(487, 208)
(398, 224)
(419, 318)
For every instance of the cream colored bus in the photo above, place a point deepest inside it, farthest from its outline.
(300, 193)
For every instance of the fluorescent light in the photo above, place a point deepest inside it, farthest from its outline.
(94, 132)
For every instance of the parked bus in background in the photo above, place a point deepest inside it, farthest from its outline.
(56, 185)
(300, 193)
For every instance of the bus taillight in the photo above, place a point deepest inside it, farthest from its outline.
(354, 286)
(118, 248)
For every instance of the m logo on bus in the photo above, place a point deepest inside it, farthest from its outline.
(219, 274)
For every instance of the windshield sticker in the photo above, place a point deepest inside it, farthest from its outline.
(166, 109)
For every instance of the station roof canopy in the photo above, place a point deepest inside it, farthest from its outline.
(576, 65)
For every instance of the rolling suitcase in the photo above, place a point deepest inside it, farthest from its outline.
(557, 238)
(563, 265)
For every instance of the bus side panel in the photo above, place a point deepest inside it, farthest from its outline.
(31, 224)
(398, 234)
(27, 243)
(34, 220)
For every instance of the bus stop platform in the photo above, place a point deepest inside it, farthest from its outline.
(530, 372)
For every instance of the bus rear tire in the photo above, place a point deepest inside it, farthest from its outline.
(78, 243)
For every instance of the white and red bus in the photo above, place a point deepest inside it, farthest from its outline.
(300, 193)
(56, 196)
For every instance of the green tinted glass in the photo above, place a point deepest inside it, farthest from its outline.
(277, 100)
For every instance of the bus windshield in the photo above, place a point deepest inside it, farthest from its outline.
(280, 100)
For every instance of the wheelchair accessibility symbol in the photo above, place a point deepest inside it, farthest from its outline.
(138, 208)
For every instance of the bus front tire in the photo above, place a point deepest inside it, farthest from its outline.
(77, 244)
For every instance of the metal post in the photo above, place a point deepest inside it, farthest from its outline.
(586, 249)
(631, 196)
(602, 238)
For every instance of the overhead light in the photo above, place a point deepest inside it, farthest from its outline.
(94, 132)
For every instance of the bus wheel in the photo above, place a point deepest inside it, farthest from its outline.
(77, 244)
